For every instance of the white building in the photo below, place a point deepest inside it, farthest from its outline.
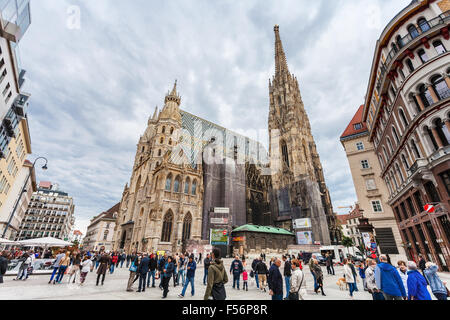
(100, 232)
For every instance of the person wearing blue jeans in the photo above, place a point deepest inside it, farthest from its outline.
(287, 275)
(254, 264)
(181, 270)
(206, 263)
(61, 271)
(190, 276)
(59, 256)
(311, 268)
(236, 269)
(349, 276)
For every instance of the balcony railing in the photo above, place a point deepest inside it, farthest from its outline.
(420, 163)
(393, 53)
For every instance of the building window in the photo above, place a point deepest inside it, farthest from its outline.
(285, 154)
(425, 96)
(419, 201)
(440, 87)
(409, 65)
(360, 146)
(415, 149)
(194, 187)
(432, 192)
(169, 183)
(176, 187)
(357, 126)
(376, 206)
(186, 235)
(445, 177)
(423, 55)
(423, 24)
(365, 164)
(413, 31)
(439, 47)
(186, 185)
(403, 117)
(394, 132)
(167, 227)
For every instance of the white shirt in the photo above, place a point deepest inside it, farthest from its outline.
(86, 265)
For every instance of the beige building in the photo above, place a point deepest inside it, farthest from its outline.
(370, 189)
(15, 141)
(100, 233)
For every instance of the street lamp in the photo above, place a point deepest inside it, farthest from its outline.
(24, 190)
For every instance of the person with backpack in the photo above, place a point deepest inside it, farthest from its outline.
(236, 269)
(217, 278)
(261, 272)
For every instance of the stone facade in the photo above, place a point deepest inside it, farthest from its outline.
(299, 189)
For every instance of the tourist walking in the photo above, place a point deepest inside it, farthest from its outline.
(296, 281)
(206, 264)
(403, 273)
(355, 276)
(362, 274)
(389, 281)
(217, 278)
(152, 270)
(319, 277)
(437, 286)
(254, 263)
(190, 277)
(122, 259)
(86, 267)
(417, 285)
(133, 271)
(311, 269)
(24, 261)
(59, 256)
(3, 264)
(287, 276)
(161, 263)
(166, 275)
(275, 280)
(329, 263)
(63, 265)
(236, 269)
(128, 259)
(371, 282)
(114, 259)
(245, 280)
(349, 278)
(104, 264)
(261, 273)
(76, 263)
(144, 267)
(182, 262)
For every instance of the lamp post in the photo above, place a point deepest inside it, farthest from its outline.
(24, 189)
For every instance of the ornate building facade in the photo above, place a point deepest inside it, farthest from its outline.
(299, 188)
(186, 167)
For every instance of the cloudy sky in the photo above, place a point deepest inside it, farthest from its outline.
(97, 69)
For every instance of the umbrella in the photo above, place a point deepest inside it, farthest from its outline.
(44, 242)
(6, 241)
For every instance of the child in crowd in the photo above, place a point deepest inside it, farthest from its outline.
(245, 278)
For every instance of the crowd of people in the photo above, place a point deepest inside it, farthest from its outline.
(150, 270)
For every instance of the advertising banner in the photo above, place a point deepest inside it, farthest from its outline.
(366, 239)
(304, 237)
(218, 237)
(302, 223)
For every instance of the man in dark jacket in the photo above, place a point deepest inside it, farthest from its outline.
(207, 263)
(287, 275)
(166, 275)
(161, 263)
(261, 272)
(190, 276)
(236, 269)
(330, 267)
(275, 281)
(3, 264)
(254, 264)
(152, 271)
(143, 270)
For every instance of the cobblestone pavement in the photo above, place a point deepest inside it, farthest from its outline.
(37, 287)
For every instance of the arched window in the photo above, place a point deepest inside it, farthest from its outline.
(171, 130)
(425, 96)
(399, 172)
(413, 31)
(439, 47)
(167, 227)
(187, 227)
(159, 153)
(415, 149)
(415, 102)
(169, 182)
(161, 141)
(428, 132)
(385, 154)
(380, 158)
(403, 117)
(186, 185)
(163, 129)
(394, 47)
(423, 55)
(442, 131)
(284, 152)
(423, 24)
(399, 41)
(105, 235)
(409, 65)
(394, 179)
(440, 87)
(394, 133)
(170, 142)
(391, 149)
(194, 187)
(405, 162)
(176, 186)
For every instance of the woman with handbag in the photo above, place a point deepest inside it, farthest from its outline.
(296, 281)
(217, 278)
(319, 276)
(133, 271)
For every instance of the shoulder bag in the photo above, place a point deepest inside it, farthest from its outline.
(294, 295)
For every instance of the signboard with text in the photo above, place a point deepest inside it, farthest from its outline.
(218, 237)
(302, 223)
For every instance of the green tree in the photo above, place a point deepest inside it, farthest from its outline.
(347, 242)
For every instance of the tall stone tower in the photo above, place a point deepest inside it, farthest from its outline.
(299, 189)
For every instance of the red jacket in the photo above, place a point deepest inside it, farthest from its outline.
(115, 258)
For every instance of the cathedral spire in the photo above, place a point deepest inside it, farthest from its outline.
(280, 57)
(155, 115)
(173, 96)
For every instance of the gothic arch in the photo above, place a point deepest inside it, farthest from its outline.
(166, 232)
(187, 223)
